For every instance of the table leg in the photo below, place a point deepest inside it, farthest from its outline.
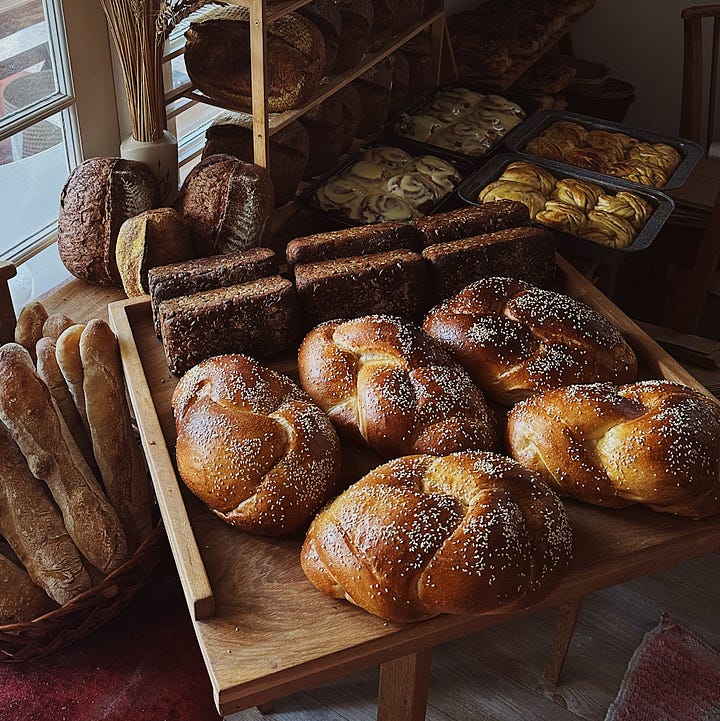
(564, 627)
(404, 684)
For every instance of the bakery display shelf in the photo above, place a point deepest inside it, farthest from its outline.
(662, 204)
(277, 121)
(266, 632)
(689, 150)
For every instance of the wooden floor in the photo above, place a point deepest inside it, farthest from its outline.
(496, 675)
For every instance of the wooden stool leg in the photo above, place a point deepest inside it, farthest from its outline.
(564, 627)
(265, 708)
(404, 684)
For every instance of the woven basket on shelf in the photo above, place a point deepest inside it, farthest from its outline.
(77, 618)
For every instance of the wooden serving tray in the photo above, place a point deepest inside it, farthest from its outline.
(266, 632)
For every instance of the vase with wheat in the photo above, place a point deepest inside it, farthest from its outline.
(139, 29)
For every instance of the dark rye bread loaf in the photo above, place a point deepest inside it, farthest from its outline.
(360, 240)
(392, 283)
(226, 204)
(471, 221)
(327, 18)
(217, 58)
(257, 318)
(200, 274)
(357, 22)
(98, 197)
(525, 253)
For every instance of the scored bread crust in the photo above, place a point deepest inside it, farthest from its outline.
(471, 532)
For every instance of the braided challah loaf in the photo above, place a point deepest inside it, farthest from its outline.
(516, 340)
(252, 446)
(654, 442)
(383, 382)
(468, 533)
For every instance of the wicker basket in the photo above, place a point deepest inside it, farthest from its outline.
(77, 618)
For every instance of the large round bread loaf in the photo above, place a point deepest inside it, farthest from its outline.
(217, 58)
(326, 16)
(252, 446)
(468, 533)
(385, 383)
(98, 197)
(516, 340)
(226, 204)
(653, 442)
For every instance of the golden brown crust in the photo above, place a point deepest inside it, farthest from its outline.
(29, 326)
(577, 192)
(563, 216)
(55, 324)
(652, 442)
(511, 190)
(252, 446)
(383, 382)
(20, 599)
(421, 535)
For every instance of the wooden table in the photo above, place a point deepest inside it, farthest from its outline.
(265, 632)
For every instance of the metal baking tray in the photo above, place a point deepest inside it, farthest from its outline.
(663, 204)
(690, 151)
(464, 167)
(528, 104)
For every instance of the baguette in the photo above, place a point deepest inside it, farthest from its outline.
(20, 599)
(27, 410)
(49, 370)
(67, 354)
(121, 464)
(29, 327)
(34, 528)
(55, 325)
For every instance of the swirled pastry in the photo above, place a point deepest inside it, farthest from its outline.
(617, 142)
(378, 207)
(440, 171)
(416, 188)
(529, 174)
(502, 105)
(568, 131)
(419, 126)
(464, 97)
(462, 137)
(494, 120)
(509, 190)
(660, 154)
(368, 173)
(627, 205)
(340, 195)
(444, 107)
(577, 192)
(639, 172)
(563, 216)
(387, 156)
(546, 148)
(589, 158)
(608, 229)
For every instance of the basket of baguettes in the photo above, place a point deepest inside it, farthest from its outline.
(478, 392)
(78, 537)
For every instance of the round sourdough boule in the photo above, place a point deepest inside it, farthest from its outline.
(155, 237)
(252, 446)
(98, 197)
(471, 532)
(226, 204)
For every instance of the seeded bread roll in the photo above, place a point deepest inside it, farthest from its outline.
(199, 274)
(652, 442)
(217, 58)
(226, 204)
(252, 446)
(525, 253)
(395, 283)
(232, 134)
(471, 221)
(360, 240)
(516, 340)
(386, 384)
(98, 197)
(419, 536)
(258, 318)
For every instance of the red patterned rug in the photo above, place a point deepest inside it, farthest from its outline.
(673, 676)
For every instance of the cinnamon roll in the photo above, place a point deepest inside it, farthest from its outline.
(589, 158)
(546, 148)
(566, 129)
(529, 174)
(580, 193)
(441, 172)
(446, 108)
(462, 137)
(418, 127)
(509, 190)
(660, 154)
(639, 172)
(462, 96)
(340, 195)
(419, 190)
(608, 229)
(619, 142)
(387, 157)
(367, 173)
(563, 216)
(503, 105)
(501, 122)
(380, 207)
(626, 205)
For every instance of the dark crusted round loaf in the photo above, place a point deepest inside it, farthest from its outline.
(217, 58)
(517, 340)
(226, 204)
(653, 442)
(326, 16)
(357, 22)
(468, 533)
(374, 88)
(252, 446)
(98, 197)
(385, 383)
(231, 134)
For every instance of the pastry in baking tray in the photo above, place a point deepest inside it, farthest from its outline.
(441, 172)
(503, 105)
(368, 173)
(660, 154)
(608, 139)
(566, 130)
(608, 229)
(447, 108)
(462, 96)
(530, 174)
(627, 205)
(416, 188)
(419, 126)
(340, 195)
(488, 117)
(563, 216)
(509, 190)
(379, 207)
(387, 156)
(589, 158)
(546, 148)
(638, 172)
(461, 137)
(577, 192)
